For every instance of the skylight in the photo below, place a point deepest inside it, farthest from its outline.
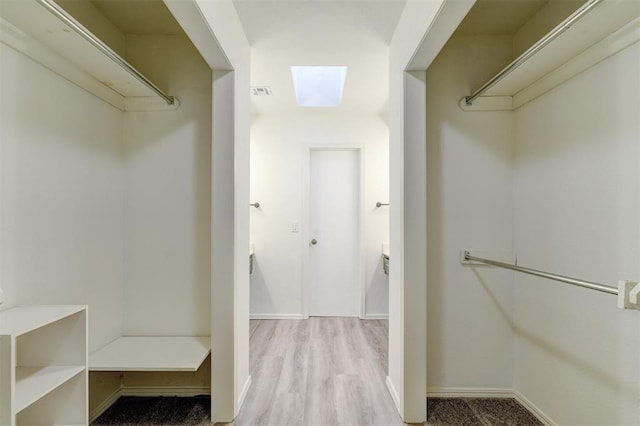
(318, 86)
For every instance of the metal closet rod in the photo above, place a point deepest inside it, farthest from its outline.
(379, 204)
(96, 42)
(550, 276)
(583, 10)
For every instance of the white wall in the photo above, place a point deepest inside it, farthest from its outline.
(277, 147)
(469, 205)
(168, 194)
(62, 194)
(576, 212)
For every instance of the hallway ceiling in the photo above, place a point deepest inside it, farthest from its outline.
(320, 32)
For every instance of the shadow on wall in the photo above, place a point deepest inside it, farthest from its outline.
(569, 360)
(259, 289)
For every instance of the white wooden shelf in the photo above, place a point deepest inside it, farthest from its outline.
(151, 353)
(32, 383)
(43, 364)
(609, 27)
(33, 30)
(23, 319)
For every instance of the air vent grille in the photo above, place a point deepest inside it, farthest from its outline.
(261, 91)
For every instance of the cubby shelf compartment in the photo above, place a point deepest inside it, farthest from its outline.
(32, 383)
(43, 365)
(43, 31)
(609, 27)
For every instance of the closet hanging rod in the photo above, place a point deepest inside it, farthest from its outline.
(379, 204)
(550, 276)
(97, 43)
(583, 10)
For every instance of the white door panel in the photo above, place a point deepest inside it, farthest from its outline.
(334, 218)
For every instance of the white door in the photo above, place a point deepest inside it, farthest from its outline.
(334, 200)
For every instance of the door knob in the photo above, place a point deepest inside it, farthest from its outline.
(314, 242)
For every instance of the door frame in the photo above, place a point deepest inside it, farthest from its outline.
(306, 222)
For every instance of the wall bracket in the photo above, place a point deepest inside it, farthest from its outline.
(628, 295)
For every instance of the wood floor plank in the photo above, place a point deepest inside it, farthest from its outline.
(320, 371)
(352, 405)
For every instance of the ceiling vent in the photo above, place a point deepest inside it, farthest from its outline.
(261, 91)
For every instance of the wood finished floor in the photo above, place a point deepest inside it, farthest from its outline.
(321, 371)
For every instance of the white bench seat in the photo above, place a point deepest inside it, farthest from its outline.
(151, 353)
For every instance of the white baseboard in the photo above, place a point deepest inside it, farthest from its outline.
(441, 392)
(394, 394)
(376, 316)
(104, 405)
(243, 394)
(275, 316)
(546, 420)
(165, 391)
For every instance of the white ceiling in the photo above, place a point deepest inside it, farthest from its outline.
(353, 33)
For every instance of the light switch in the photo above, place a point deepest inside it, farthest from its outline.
(294, 226)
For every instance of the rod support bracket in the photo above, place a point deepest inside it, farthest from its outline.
(628, 295)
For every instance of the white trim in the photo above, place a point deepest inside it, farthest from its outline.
(104, 405)
(533, 409)
(394, 394)
(306, 220)
(441, 392)
(376, 316)
(183, 391)
(362, 244)
(245, 391)
(276, 316)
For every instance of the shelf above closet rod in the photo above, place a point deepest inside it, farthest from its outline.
(544, 41)
(46, 33)
(61, 14)
(594, 32)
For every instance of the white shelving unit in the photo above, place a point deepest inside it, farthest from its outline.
(43, 366)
